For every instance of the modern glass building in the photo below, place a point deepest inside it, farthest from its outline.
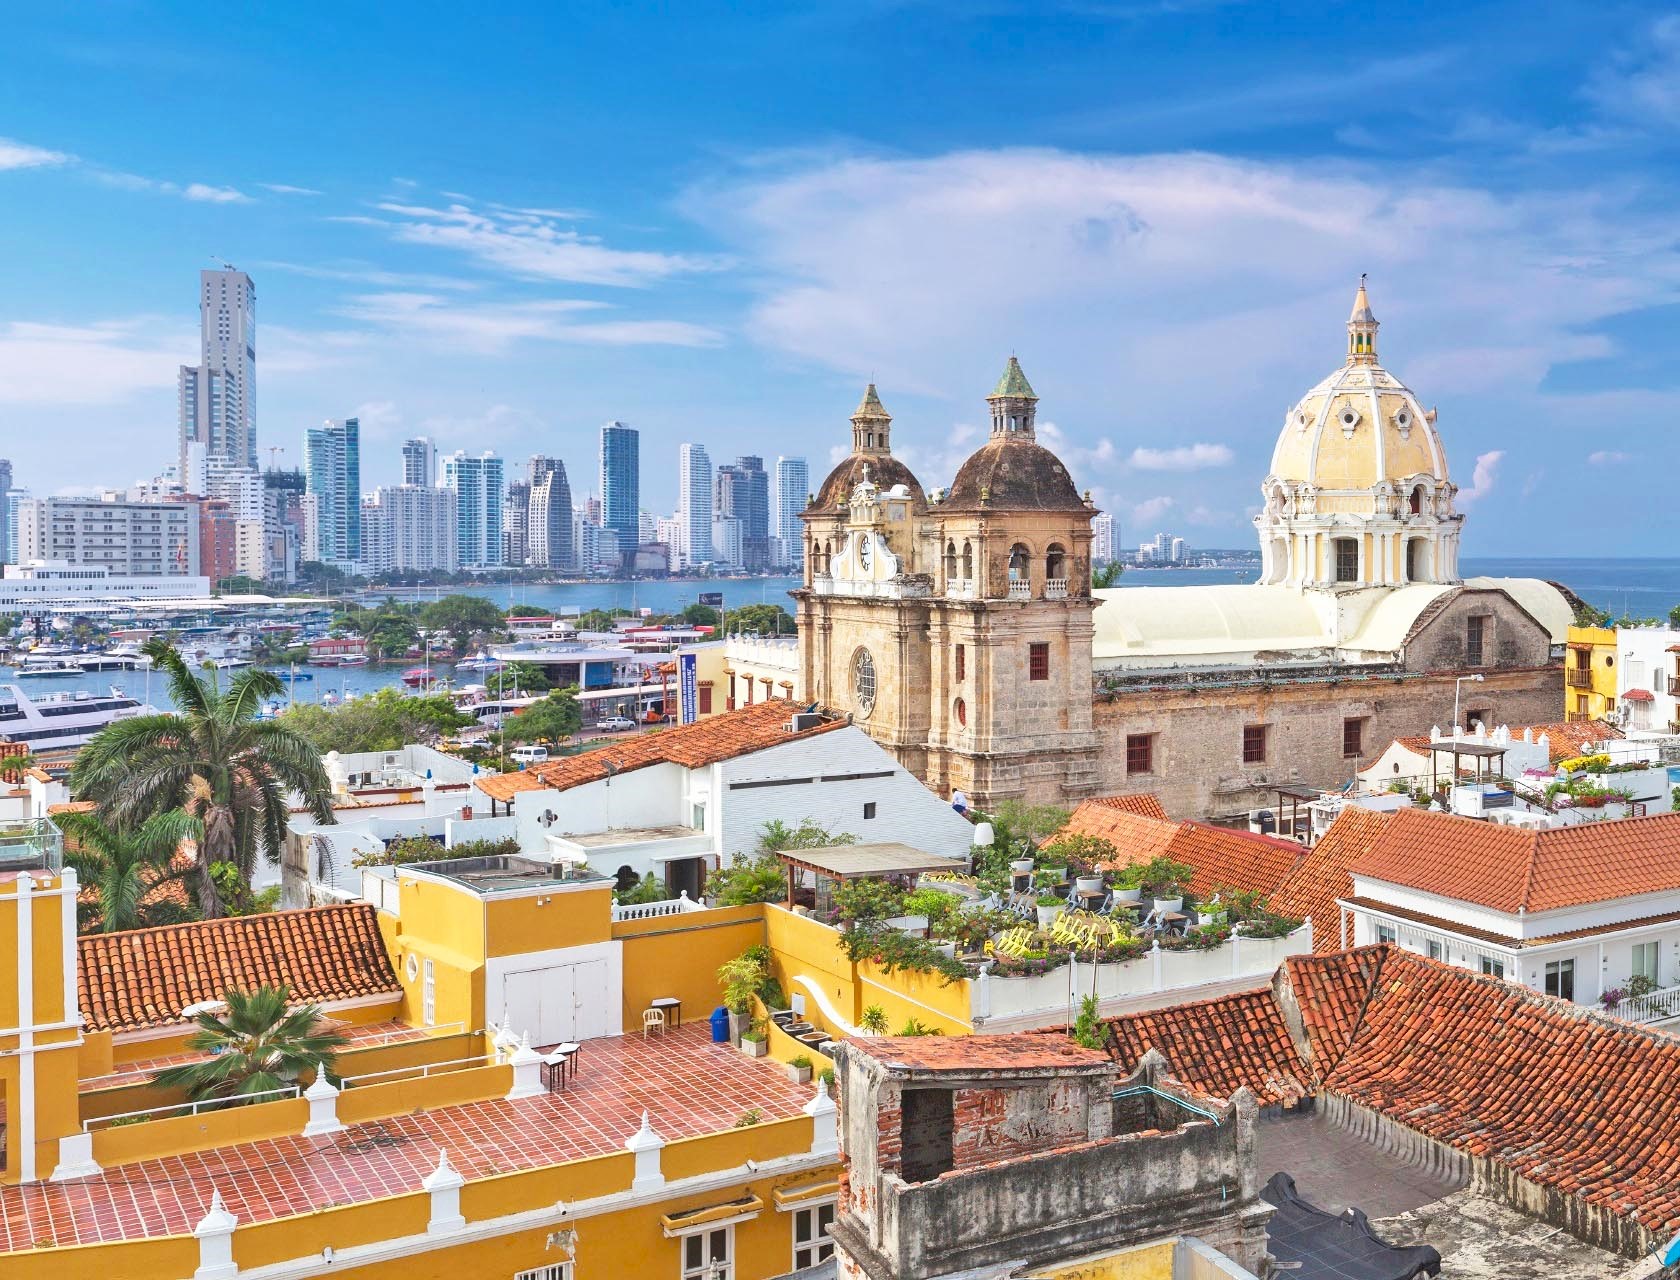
(790, 490)
(621, 481)
(477, 483)
(332, 466)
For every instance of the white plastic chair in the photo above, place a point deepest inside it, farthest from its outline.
(652, 1019)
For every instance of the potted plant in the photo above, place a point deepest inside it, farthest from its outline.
(1021, 866)
(1213, 911)
(1053, 875)
(1049, 907)
(1165, 880)
(754, 1042)
(1091, 883)
(1127, 884)
(874, 1020)
(799, 1069)
(740, 979)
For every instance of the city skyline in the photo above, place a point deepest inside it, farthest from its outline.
(716, 270)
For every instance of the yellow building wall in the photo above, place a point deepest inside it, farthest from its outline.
(1148, 1262)
(447, 927)
(1601, 695)
(923, 996)
(564, 918)
(679, 956)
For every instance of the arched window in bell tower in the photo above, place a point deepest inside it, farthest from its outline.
(1055, 562)
(950, 561)
(1417, 500)
(1020, 566)
(968, 560)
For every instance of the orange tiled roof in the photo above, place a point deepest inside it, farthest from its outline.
(1145, 805)
(1221, 856)
(1509, 869)
(1576, 1102)
(1311, 888)
(980, 1053)
(1563, 740)
(145, 977)
(694, 746)
(1217, 1046)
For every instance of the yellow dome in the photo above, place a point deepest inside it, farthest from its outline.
(1360, 427)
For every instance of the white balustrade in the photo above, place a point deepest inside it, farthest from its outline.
(1055, 588)
(1653, 1006)
(1020, 590)
(680, 905)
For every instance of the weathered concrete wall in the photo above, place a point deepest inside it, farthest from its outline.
(1198, 770)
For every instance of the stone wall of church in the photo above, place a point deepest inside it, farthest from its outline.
(1510, 637)
(1196, 733)
(831, 631)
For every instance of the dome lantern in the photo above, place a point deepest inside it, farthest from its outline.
(1362, 329)
(1014, 404)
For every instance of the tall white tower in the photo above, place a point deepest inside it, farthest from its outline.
(218, 395)
(694, 505)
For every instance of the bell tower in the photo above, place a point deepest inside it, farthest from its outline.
(871, 425)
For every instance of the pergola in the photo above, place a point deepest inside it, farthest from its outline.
(1480, 752)
(1297, 795)
(842, 862)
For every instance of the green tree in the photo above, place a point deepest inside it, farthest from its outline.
(240, 585)
(123, 869)
(212, 757)
(551, 721)
(776, 836)
(12, 768)
(599, 619)
(699, 615)
(527, 677)
(1674, 616)
(466, 619)
(1107, 574)
(258, 1046)
(762, 619)
(382, 721)
(1588, 615)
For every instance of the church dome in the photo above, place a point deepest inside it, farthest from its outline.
(1012, 471)
(871, 458)
(1360, 427)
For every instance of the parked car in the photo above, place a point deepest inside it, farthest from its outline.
(614, 724)
(528, 755)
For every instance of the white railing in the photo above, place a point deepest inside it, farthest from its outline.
(1055, 588)
(406, 1035)
(1653, 1006)
(422, 1069)
(191, 1108)
(960, 588)
(677, 906)
(1020, 590)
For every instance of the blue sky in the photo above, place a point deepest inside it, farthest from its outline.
(716, 222)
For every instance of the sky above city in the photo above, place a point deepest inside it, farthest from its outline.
(501, 227)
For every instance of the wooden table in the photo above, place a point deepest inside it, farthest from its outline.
(671, 1007)
(1091, 899)
(556, 1065)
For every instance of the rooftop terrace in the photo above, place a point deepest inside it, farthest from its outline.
(690, 1087)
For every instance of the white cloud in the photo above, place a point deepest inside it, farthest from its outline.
(1189, 457)
(286, 189)
(1642, 82)
(532, 245)
(1483, 478)
(1151, 509)
(21, 155)
(206, 194)
(1605, 457)
(493, 327)
(102, 363)
(364, 273)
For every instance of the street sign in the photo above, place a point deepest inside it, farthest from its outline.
(688, 687)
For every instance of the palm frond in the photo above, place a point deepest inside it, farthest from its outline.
(246, 694)
(186, 689)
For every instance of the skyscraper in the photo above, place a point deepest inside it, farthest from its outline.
(1102, 538)
(551, 541)
(516, 523)
(621, 480)
(6, 547)
(790, 487)
(419, 461)
(218, 395)
(477, 483)
(743, 493)
(332, 465)
(417, 529)
(694, 503)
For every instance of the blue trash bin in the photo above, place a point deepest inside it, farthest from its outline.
(720, 1025)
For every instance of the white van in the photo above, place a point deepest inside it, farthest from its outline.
(529, 755)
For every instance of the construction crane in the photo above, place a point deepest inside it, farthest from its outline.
(274, 450)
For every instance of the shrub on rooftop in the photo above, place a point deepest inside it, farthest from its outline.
(258, 1046)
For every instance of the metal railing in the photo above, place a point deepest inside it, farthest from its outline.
(422, 1069)
(1055, 588)
(1578, 677)
(680, 905)
(190, 1108)
(1674, 686)
(1653, 1006)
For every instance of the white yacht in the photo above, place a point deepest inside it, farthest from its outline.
(38, 668)
(57, 721)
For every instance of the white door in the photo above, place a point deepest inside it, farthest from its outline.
(565, 1002)
(590, 999)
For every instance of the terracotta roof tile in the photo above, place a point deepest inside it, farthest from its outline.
(1217, 1046)
(1331, 993)
(1507, 869)
(979, 1053)
(145, 977)
(1569, 1099)
(1313, 885)
(694, 746)
(1222, 857)
(1145, 804)
(1137, 837)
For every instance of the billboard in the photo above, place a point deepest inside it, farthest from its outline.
(688, 687)
(712, 599)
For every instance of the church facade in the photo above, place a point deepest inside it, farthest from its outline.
(960, 629)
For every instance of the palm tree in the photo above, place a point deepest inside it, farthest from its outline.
(12, 768)
(258, 1046)
(125, 868)
(213, 758)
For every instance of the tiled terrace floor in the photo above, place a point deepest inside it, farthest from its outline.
(361, 1036)
(689, 1085)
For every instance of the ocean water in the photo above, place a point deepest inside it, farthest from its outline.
(1640, 587)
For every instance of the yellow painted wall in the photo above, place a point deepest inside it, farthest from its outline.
(565, 918)
(1148, 1262)
(172, 1135)
(170, 1256)
(922, 996)
(1601, 696)
(679, 956)
(802, 947)
(433, 933)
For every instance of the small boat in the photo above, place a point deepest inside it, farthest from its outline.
(414, 677)
(353, 660)
(291, 676)
(227, 664)
(35, 668)
(479, 662)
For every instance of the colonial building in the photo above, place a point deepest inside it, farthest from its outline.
(956, 626)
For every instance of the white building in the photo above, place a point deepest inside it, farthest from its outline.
(726, 540)
(419, 462)
(45, 583)
(633, 808)
(217, 396)
(790, 489)
(127, 539)
(1572, 911)
(667, 530)
(332, 464)
(1648, 678)
(694, 505)
(1102, 538)
(238, 486)
(477, 485)
(409, 528)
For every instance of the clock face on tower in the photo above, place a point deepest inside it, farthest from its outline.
(865, 548)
